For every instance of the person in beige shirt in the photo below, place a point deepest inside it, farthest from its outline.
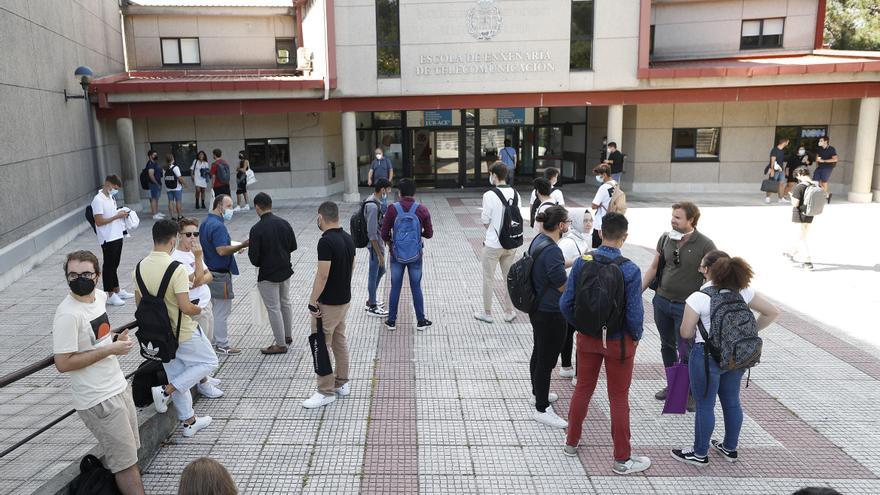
(195, 359)
(85, 350)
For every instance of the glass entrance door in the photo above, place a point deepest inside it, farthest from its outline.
(435, 156)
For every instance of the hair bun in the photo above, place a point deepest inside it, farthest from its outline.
(541, 217)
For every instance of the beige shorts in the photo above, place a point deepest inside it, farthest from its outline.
(114, 423)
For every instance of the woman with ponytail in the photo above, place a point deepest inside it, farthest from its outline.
(548, 325)
(728, 274)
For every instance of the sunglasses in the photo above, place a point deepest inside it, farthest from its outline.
(71, 276)
(676, 257)
(190, 234)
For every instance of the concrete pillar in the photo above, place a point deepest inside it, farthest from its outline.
(349, 157)
(615, 125)
(876, 185)
(97, 141)
(128, 161)
(866, 142)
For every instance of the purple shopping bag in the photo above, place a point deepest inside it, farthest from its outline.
(678, 382)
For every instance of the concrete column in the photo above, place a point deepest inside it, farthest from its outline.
(349, 157)
(876, 185)
(128, 160)
(615, 125)
(866, 142)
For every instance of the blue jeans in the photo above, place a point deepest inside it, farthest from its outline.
(375, 276)
(415, 284)
(667, 317)
(616, 177)
(724, 384)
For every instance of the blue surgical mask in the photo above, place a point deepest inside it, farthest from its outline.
(227, 215)
(599, 179)
(114, 192)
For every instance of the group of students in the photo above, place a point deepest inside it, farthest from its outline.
(686, 262)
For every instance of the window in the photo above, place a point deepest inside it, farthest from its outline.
(696, 145)
(180, 51)
(184, 152)
(651, 45)
(268, 155)
(285, 51)
(806, 136)
(581, 54)
(388, 38)
(762, 33)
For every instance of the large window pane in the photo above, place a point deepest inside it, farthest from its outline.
(707, 143)
(582, 19)
(695, 144)
(170, 53)
(388, 38)
(388, 61)
(581, 55)
(189, 51)
(773, 26)
(268, 155)
(285, 53)
(581, 35)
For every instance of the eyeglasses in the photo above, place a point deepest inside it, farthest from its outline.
(71, 276)
(676, 257)
(190, 234)
(568, 221)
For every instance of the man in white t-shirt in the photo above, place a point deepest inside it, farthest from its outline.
(493, 254)
(110, 227)
(174, 184)
(601, 201)
(552, 175)
(85, 350)
(189, 254)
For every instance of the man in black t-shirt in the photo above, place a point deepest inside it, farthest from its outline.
(775, 167)
(331, 295)
(615, 161)
(826, 160)
(800, 252)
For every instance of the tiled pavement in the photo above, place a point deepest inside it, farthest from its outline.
(446, 411)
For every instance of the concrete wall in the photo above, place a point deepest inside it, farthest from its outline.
(747, 133)
(700, 29)
(224, 41)
(46, 166)
(534, 34)
(315, 139)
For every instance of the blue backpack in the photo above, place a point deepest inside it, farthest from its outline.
(406, 244)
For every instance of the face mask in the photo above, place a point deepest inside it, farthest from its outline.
(227, 215)
(802, 152)
(384, 195)
(114, 192)
(82, 286)
(378, 156)
(599, 179)
(676, 235)
(318, 223)
(491, 182)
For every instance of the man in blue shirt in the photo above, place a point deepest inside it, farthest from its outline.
(508, 157)
(618, 356)
(218, 253)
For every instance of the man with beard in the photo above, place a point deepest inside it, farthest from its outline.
(674, 275)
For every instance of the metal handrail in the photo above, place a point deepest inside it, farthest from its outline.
(39, 366)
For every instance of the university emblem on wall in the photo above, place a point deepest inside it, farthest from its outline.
(484, 20)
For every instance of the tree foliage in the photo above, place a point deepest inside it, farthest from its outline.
(853, 24)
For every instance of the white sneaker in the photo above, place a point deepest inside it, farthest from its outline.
(635, 464)
(574, 381)
(767, 199)
(318, 400)
(245, 207)
(158, 216)
(124, 294)
(509, 317)
(115, 300)
(237, 208)
(344, 391)
(198, 425)
(550, 418)
(566, 373)
(484, 317)
(783, 200)
(213, 381)
(160, 400)
(551, 398)
(209, 391)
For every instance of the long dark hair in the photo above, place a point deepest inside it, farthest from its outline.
(201, 154)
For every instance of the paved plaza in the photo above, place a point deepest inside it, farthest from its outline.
(447, 411)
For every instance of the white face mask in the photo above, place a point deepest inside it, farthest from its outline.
(114, 192)
(491, 182)
(802, 152)
(378, 156)
(599, 179)
(676, 235)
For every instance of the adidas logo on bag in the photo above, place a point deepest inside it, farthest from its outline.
(149, 351)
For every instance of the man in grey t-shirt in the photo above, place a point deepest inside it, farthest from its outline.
(373, 214)
(682, 250)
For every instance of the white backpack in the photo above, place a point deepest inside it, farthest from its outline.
(814, 200)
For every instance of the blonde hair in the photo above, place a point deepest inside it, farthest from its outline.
(205, 476)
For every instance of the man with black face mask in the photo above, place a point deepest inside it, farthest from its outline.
(85, 349)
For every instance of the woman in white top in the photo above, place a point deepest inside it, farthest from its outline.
(200, 178)
(574, 243)
(728, 274)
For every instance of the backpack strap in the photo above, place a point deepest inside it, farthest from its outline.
(504, 200)
(140, 281)
(163, 287)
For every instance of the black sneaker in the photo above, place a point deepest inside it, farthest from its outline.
(807, 266)
(390, 325)
(423, 325)
(689, 457)
(730, 455)
(829, 198)
(661, 395)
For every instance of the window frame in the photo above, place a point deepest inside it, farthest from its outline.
(380, 45)
(291, 58)
(695, 159)
(581, 37)
(265, 142)
(180, 52)
(761, 34)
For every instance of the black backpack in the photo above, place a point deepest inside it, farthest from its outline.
(148, 375)
(145, 179)
(519, 281)
(358, 224)
(90, 217)
(94, 479)
(157, 341)
(600, 298)
(511, 234)
(170, 179)
(537, 206)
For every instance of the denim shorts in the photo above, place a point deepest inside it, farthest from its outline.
(779, 176)
(175, 195)
(155, 190)
(822, 174)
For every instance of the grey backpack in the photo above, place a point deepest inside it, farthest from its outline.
(733, 342)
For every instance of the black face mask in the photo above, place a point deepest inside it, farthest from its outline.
(82, 286)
